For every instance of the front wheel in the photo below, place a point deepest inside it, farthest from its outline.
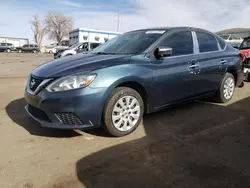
(123, 111)
(34, 51)
(226, 90)
(8, 50)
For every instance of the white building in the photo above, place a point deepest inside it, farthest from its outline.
(90, 35)
(17, 42)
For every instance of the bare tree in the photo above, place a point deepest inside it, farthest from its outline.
(39, 29)
(58, 25)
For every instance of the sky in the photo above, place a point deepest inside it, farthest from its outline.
(213, 15)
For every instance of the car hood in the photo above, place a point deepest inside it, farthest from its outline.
(77, 63)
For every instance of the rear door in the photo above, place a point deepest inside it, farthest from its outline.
(211, 58)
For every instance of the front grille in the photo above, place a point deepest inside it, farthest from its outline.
(68, 118)
(34, 83)
(37, 113)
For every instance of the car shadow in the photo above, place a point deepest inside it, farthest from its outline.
(194, 145)
(17, 114)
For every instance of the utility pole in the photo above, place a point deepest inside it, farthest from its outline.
(118, 20)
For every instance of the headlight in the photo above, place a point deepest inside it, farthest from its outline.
(70, 82)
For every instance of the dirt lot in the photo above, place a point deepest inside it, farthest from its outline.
(194, 145)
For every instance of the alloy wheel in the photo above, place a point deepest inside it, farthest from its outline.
(126, 113)
(228, 88)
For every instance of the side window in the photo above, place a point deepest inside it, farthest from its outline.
(31, 46)
(207, 42)
(36, 46)
(3, 44)
(221, 42)
(25, 46)
(181, 43)
(94, 45)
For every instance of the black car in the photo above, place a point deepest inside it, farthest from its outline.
(28, 48)
(6, 47)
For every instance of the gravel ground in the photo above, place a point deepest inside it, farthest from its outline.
(195, 145)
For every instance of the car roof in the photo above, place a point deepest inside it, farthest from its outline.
(172, 28)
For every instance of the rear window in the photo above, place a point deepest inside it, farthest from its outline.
(222, 43)
(207, 42)
(245, 44)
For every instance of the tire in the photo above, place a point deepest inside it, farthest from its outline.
(34, 51)
(8, 50)
(19, 51)
(115, 98)
(223, 95)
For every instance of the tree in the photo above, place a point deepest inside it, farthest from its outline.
(39, 29)
(58, 26)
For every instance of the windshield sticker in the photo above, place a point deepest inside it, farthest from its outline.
(155, 32)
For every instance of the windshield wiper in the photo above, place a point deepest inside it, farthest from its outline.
(103, 53)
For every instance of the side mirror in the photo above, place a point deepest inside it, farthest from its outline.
(164, 51)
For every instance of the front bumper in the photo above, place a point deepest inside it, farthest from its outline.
(86, 104)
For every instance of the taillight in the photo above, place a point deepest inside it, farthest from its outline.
(243, 58)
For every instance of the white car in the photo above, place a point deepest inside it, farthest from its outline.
(78, 48)
(231, 38)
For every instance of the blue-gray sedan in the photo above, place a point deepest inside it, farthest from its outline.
(139, 72)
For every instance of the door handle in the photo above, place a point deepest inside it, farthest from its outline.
(223, 61)
(193, 66)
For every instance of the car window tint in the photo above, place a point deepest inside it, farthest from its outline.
(207, 42)
(31, 46)
(36, 46)
(3, 44)
(221, 42)
(245, 44)
(181, 43)
(93, 45)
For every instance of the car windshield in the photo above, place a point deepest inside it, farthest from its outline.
(225, 37)
(130, 43)
(245, 44)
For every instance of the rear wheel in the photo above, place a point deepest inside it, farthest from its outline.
(19, 51)
(8, 50)
(34, 51)
(226, 90)
(123, 111)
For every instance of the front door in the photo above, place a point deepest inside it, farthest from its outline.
(175, 76)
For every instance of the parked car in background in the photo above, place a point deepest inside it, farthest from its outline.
(235, 45)
(6, 47)
(245, 47)
(138, 72)
(28, 48)
(231, 38)
(77, 48)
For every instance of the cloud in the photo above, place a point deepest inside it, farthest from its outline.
(71, 3)
(213, 15)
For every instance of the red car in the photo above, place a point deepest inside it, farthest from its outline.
(245, 49)
(245, 53)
